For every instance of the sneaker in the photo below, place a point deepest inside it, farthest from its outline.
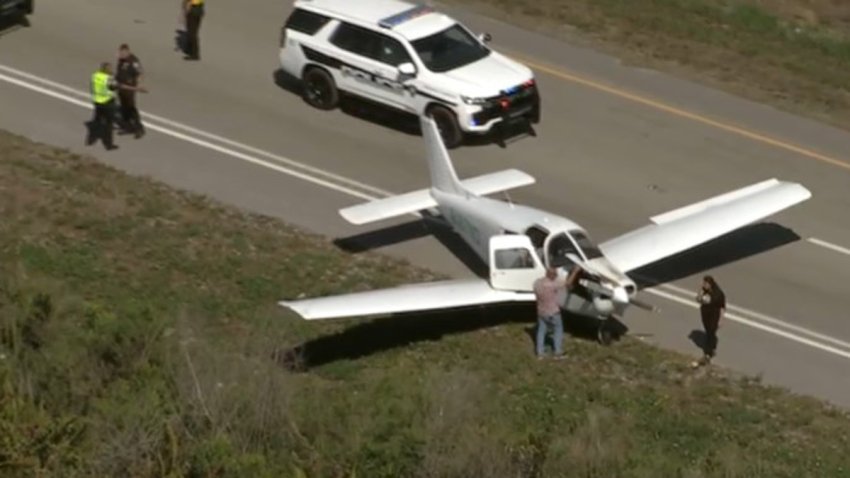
(560, 356)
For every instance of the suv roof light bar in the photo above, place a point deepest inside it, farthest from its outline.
(406, 15)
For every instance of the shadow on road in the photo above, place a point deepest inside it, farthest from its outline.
(10, 24)
(430, 225)
(732, 247)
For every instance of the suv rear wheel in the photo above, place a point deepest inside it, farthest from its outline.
(319, 89)
(448, 126)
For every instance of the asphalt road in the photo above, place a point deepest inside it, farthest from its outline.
(616, 145)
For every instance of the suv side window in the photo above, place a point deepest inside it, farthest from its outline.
(306, 22)
(356, 40)
(372, 45)
(392, 52)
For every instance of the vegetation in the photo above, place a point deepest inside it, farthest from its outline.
(794, 53)
(139, 337)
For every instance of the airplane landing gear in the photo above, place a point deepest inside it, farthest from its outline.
(605, 333)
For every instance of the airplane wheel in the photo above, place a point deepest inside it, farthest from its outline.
(604, 333)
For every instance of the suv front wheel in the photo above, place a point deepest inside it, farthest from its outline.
(319, 89)
(448, 126)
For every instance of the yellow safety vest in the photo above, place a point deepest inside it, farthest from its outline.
(100, 88)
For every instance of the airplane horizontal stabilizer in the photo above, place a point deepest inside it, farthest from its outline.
(420, 200)
(681, 229)
(426, 296)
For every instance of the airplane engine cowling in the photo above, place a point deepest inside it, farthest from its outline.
(604, 306)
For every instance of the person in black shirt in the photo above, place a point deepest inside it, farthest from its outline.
(129, 76)
(712, 303)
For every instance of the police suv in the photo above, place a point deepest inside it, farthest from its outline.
(408, 57)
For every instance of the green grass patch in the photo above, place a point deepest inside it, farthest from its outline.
(793, 53)
(139, 337)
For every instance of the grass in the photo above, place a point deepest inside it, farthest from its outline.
(139, 337)
(792, 53)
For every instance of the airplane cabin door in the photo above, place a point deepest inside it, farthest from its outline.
(513, 263)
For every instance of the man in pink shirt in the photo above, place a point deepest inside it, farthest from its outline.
(547, 289)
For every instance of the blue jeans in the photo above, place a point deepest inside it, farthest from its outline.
(542, 326)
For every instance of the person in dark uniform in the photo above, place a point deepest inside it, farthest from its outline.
(103, 87)
(712, 306)
(129, 76)
(194, 14)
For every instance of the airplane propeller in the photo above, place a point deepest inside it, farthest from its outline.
(610, 286)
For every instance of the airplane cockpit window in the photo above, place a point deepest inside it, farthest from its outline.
(591, 250)
(517, 258)
(559, 246)
(538, 238)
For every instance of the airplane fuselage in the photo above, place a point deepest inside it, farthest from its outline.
(477, 219)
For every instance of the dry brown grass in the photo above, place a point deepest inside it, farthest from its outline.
(140, 338)
(794, 54)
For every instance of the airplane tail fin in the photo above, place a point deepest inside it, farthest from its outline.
(443, 175)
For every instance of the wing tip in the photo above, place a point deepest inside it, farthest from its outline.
(351, 216)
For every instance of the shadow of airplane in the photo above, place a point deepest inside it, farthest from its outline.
(388, 333)
(430, 225)
(737, 245)
(397, 120)
(384, 334)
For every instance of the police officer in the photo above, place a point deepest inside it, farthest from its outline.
(103, 88)
(129, 76)
(194, 13)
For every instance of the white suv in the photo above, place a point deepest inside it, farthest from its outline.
(408, 57)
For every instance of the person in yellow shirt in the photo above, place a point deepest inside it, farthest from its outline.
(194, 14)
(103, 88)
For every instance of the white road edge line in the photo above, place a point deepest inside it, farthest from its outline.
(200, 142)
(757, 325)
(352, 192)
(828, 245)
(174, 124)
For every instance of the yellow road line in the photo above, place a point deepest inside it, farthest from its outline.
(559, 73)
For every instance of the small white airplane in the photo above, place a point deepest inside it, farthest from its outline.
(518, 243)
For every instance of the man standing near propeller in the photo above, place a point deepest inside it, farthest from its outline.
(547, 290)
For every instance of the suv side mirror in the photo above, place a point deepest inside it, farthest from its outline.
(407, 70)
(485, 37)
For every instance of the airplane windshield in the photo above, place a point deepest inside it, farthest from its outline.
(563, 244)
(559, 247)
(591, 250)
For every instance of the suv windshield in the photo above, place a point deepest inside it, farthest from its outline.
(449, 49)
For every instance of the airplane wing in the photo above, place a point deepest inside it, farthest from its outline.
(420, 200)
(408, 298)
(681, 229)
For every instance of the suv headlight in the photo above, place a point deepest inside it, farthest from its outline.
(473, 101)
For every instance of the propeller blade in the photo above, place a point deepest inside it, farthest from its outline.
(643, 305)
